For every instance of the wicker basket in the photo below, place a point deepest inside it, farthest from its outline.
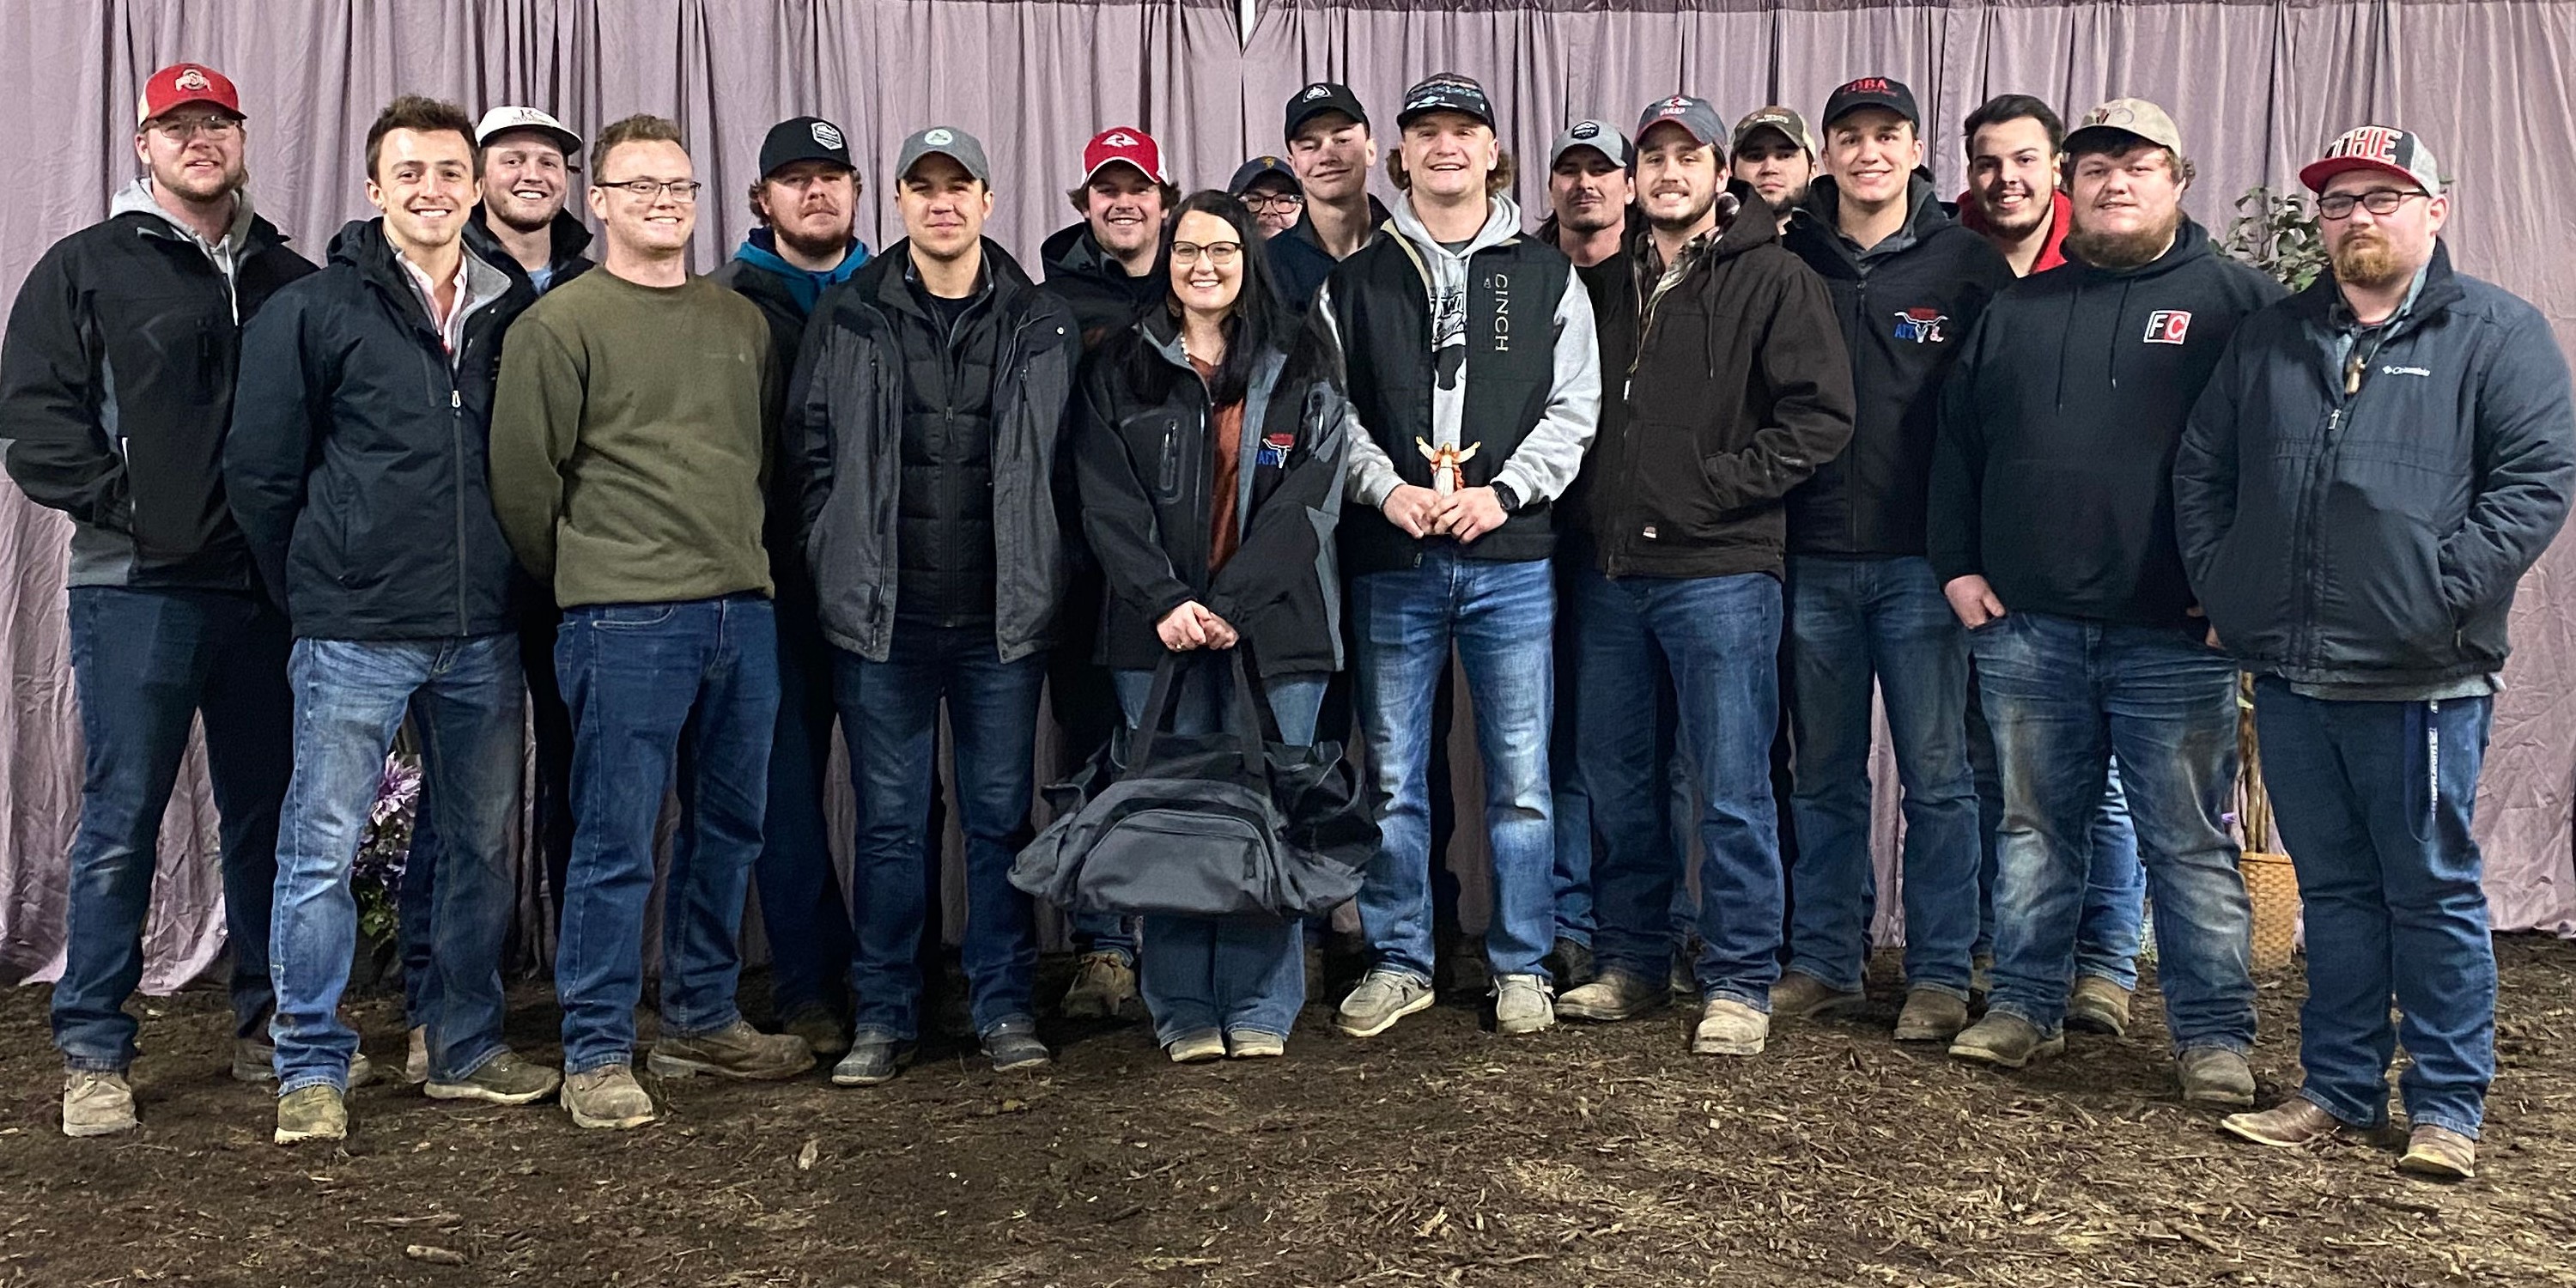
(2273, 887)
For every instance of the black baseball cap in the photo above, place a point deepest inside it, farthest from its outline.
(1259, 168)
(1446, 92)
(1872, 91)
(803, 138)
(1319, 98)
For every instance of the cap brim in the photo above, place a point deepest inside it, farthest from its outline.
(962, 163)
(1751, 132)
(2317, 174)
(1307, 112)
(207, 99)
(1404, 119)
(1094, 172)
(1581, 145)
(2073, 137)
(566, 140)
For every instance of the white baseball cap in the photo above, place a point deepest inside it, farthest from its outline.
(502, 120)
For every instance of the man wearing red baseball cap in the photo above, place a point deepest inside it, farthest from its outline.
(2376, 462)
(116, 384)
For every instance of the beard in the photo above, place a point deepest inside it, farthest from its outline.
(1678, 223)
(1600, 218)
(2366, 259)
(235, 178)
(811, 247)
(2122, 250)
(2034, 212)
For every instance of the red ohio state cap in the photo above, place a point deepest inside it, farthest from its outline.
(180, 84)
(1123, 143)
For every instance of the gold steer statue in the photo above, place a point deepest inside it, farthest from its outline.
(1444, 464)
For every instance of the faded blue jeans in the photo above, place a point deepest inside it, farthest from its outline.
(658, 692)
(1237, 974)
(1498, 616)
(1718, 638)
(2064, 697)
(2107, 939)
(350, 698)
(2374, 802)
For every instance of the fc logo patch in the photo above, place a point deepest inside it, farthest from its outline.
(2168, 326)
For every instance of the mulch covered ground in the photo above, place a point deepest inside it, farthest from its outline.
(1438, 1154)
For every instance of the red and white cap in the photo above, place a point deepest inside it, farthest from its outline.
(180, 84)
(1123, 143)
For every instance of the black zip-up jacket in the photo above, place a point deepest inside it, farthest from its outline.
(1298, 267)
(2375, 538)
(1104, 299)
(844, 439)
(116, 390)
(1146, 471)
(357, 465)
(1718, 397)
(1906, 305)
(566, 232)
(2054, 474)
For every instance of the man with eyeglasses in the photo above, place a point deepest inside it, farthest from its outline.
(2373, 467)
(1269, 188)
(116, 383)
(629, 449)
(804, 205)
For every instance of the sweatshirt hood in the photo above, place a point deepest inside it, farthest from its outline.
(803, 285)
(136, 198)
(1502, 223)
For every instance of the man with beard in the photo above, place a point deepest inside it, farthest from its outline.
(2374, 466)
(116, 385)
(1735, 390)
(2014, 201)
(1109, 266)
(1473, 369)
(1864, 610)
(2051, 532)
(1775, 155)
(1587, 193)
(803, 205)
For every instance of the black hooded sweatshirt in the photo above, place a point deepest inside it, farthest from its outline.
(1104, 299)
(2054, 474)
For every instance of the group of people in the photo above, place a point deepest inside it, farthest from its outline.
(1752, 427)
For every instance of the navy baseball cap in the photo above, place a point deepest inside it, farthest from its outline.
(1259, 168)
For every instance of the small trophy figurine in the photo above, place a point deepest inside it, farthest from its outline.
(1444, 464)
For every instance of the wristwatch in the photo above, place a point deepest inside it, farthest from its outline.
(1509, 499)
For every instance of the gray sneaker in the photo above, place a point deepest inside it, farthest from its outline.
(2005, 1041)
(1013, 1044)
(318, 1112)
(1612, 995)
(736, 1051)
(96, 1102)
(874, 1058)
(1522, 1004)
(607, 1097)
(1383, 997)
(505, 1079)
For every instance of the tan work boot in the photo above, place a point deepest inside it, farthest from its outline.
(416, 1056)
(607, 1097)
(1611, 996)
(1930, 1015)
(96, 1102)
(2215, 1076)
(2098, 1006)
(735, 1051)
(2293, 1122)
(1729, 1027)
(1104, 988)
(312, 1113)
(1800, 996)
(2005, 1041)
(2440, 1154)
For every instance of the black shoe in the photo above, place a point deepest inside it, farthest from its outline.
(873, 1058)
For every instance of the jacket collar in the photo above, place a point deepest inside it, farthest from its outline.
(1817, 221)
(888, 278)
(2437, 287)
(246, 234)
(2190, 243)
(1304, 229)
(361, 244)
(566, 234)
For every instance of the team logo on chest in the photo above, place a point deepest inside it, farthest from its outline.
(1922, 326)
(2168, 326)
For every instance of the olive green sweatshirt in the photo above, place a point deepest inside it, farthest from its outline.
(629, 450)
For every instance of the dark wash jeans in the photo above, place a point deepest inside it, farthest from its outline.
(2064, 697)
(801, 909)
(145, 665)
(658, 692)
(890, 718)
(2374, 800)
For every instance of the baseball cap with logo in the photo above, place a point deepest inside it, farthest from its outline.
(506, 120)
(1788, 124)
(2384, 148)
(1123, 143)
(948, 141)
(1319, 98)
(1600, 136)
(1446, 92)
(803, 138)
(1258, 169)
(2131, 116)
(1694, 115)
(1872, 91)
(180, 84)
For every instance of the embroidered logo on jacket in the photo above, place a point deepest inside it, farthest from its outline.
(1922, 326)
(1274, 451)
(2168, 326)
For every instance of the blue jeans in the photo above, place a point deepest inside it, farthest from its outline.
(2064, 697)
(1852, 621)
(145, 665)
(1574, 839)
(801, 909)
(890, 718)
(350, 698)
(2374, 800)
(686, 689)
(1498, 617)
(1718, 638)
(2115, 891)
(1223, 973)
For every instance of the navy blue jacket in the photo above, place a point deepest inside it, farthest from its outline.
(2376, 538)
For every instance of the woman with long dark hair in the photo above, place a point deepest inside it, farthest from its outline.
(1209, 452)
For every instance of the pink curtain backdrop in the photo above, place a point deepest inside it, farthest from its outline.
(2257, 87)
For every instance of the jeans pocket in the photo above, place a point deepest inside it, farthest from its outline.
(627, 616)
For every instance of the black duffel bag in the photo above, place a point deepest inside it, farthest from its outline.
(1234, 823)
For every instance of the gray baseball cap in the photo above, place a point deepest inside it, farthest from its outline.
(1600, 136)
(2135, 117)
(948, 141)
